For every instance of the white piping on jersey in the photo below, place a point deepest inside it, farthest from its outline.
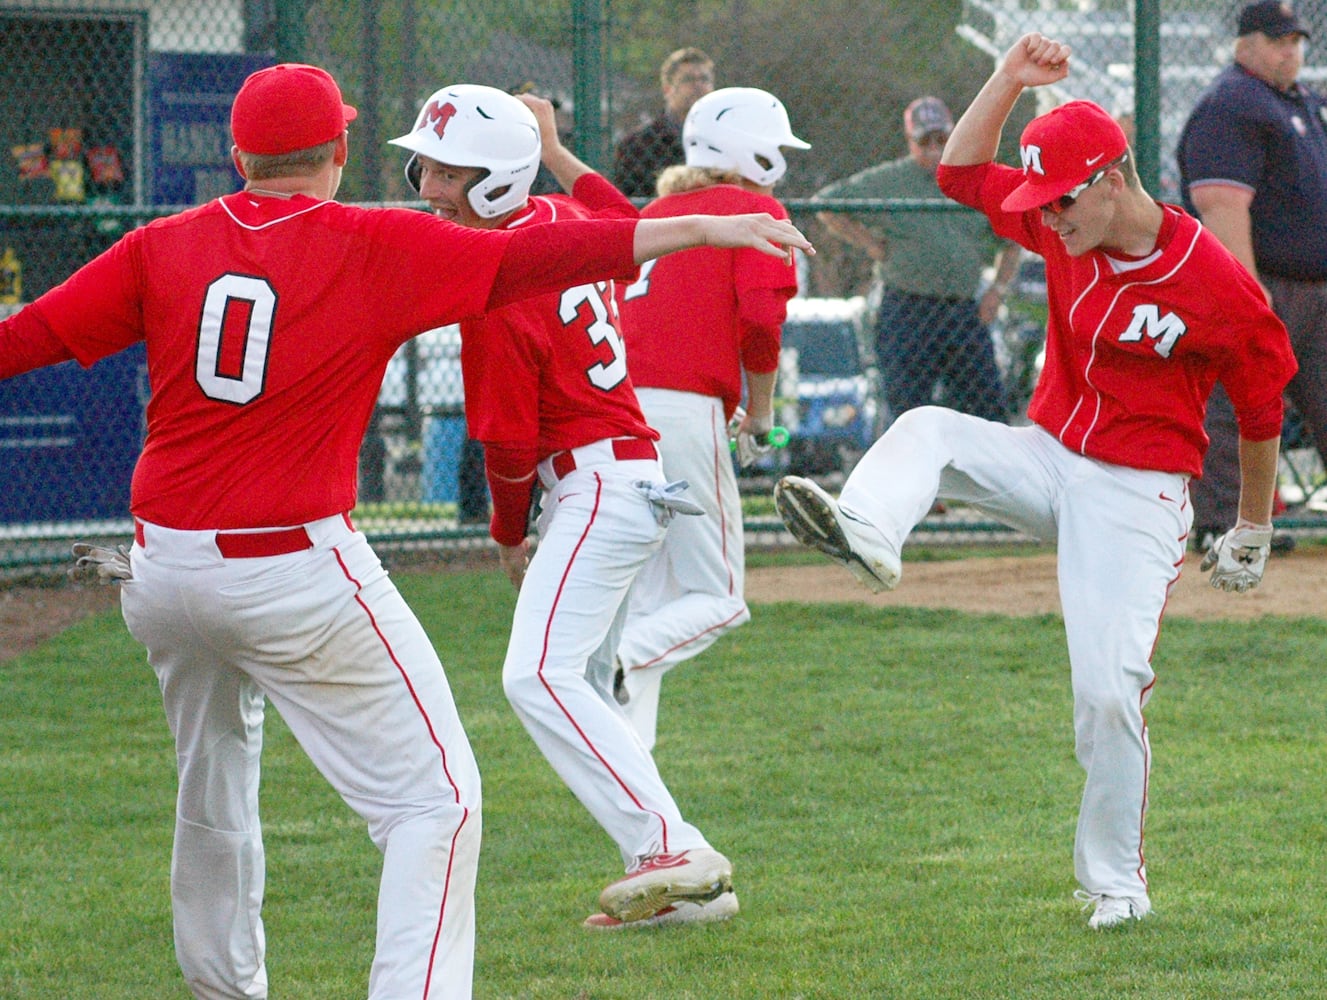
(530, 215)
(244, 225)
(1124, 266)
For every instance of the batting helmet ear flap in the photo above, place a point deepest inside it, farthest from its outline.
(413, 172)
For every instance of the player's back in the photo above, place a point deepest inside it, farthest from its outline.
(682, 318)
(269, 323)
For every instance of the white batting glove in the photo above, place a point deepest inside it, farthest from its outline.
(98, 564)
(753, 439)
(1238, 557)
(667, 499)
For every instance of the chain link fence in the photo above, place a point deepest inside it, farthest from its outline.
(114, 113)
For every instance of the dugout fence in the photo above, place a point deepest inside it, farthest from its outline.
(113, 113)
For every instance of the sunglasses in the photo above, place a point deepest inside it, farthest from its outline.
(1067, 200)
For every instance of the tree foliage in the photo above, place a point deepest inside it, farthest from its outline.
(844, 70)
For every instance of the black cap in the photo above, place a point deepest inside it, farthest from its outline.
(1273, 18)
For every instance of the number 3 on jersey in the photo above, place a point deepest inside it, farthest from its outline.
(593, 305)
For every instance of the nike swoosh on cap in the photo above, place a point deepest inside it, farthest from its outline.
(1095, 158)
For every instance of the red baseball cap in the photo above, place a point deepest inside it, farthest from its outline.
(1061, 149)
(288, 107)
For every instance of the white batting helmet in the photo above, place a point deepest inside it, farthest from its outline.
(467, 125)
(741, 129)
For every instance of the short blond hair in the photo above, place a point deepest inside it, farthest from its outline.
(679, 178)
(679, 58)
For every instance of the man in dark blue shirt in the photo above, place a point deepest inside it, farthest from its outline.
(1253, 167)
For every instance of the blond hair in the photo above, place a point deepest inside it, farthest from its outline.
(673, 63)
(681, 178)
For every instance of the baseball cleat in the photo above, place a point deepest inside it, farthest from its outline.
(815, 519)
(664, 880)
(1113, 911)
(682, 912)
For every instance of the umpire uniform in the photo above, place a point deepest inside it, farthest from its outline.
(1245, 132)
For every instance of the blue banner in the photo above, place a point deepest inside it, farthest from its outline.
(69, 439)
(189, 99)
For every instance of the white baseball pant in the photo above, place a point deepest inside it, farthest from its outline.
(324, 635)
(691, 591)
(596, 530)
(1120, 536)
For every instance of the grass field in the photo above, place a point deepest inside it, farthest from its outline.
(897, 791)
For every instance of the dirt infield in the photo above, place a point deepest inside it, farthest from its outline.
(1296, 584)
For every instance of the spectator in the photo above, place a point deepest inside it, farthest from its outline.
(931, 330)
(685, 76)
(697, 326)
(270, 316)
(1146, 310)
(1253, 167)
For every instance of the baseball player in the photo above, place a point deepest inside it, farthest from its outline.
(548, 394)
(1146, 311)
(269, 317)
(697, 325)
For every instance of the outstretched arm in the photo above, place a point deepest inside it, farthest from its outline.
(552, 257)
(26, 342)
(763, 232)
(1034, 61)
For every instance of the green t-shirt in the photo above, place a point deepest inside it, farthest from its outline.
(940, 253)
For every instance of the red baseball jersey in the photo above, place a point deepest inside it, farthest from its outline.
(1134, 345)
(269, 323)
(550, 372)
(694, 320)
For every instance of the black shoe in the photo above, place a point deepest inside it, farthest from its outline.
(620, 693)
(1203, 538)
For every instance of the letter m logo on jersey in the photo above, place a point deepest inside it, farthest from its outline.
(1031, 157)
(1148, 322)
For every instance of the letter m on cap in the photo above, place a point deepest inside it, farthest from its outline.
(1031, 157)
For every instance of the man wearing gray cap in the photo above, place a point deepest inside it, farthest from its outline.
(1253, 167)
(931, 328)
